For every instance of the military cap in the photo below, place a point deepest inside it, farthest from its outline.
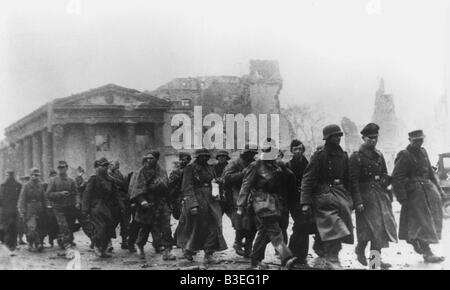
(184, 154)
(101, 162)
(154, 153)
(253, 148)
(370, 129)
(223, 153)
(416, 134)
(9, 171)
(331, 130)
(62, 164)
(202, 151)
(35, 171)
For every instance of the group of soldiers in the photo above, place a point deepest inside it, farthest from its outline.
(257, 191)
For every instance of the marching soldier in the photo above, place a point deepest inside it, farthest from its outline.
(51, 225)
(149, 190)
(243, 224)
(175, 182)
(98, 220)
(263, 179)
(299, 240)
(65, 202)
(375, 221)
(9, 196)
(416, 188)
(325, 194)
(200, 226)
(222, 157)
(31, 207)
(124, 216)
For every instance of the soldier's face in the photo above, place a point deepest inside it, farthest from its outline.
(417, 143)
(184, 161)
(335, 139)
(297, 151)
(370, 141)
(150, 161)
(62, 170)
(35, 177)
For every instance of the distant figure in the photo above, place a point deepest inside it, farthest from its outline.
(9, 196)
(418, 191)
(31, 208)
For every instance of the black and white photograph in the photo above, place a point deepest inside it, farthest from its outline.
(238, 135)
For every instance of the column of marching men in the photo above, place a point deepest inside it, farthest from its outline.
(257, 191)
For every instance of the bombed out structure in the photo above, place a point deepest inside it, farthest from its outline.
(123, 124)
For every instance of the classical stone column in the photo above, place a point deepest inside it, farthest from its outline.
(57, 144)
(89, 137)
(37, 150)
(130, 134)
(19, 159)
(27, 154)
(47, 160)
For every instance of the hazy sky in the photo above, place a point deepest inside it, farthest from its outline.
(328, 51)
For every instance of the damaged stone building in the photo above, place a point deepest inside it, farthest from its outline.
(123, 124)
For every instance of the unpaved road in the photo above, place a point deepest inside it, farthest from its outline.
(400, 255)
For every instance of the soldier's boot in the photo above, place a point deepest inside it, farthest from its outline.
(167, 255)
(247, 248)
(237, 246)
(31, 248)
(318, 248)
(92, 246)
(140, 251)
(39, 247)
(258, 265)
(290, 263)
(360, 253)
(124, 244)
(385, 266)
(430, 257)
(110, 248)
(131, 247)
(209, 258)
(21, 241)
(188, 255)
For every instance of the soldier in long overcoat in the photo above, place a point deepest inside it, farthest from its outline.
(31, 206)
(98, 221)
(326, 194)
(262, 187)
(149, 190)
(375, 222)
(9, 195)
(200, 226)
(244, 224)
(417, 189)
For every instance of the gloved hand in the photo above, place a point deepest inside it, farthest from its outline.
(306, 209)
(360, 207)
(194, 211)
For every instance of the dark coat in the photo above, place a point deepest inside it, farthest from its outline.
(175, 193)
(204, 230)
(55, 188)
(367, 175)
(232, 178)
(415, 185)
(151, 185)
(266, 182)
(325, 186)
(96, 207)
(9, 196)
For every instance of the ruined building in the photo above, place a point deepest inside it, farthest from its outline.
(351, 135)
(123, 124)
(392, 132)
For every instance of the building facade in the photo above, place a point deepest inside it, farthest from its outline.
(111, 121)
